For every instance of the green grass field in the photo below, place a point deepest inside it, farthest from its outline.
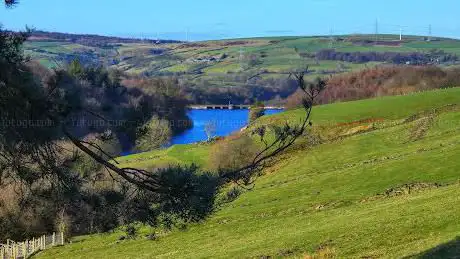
(390, 191)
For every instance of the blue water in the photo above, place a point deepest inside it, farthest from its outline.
(226, 121)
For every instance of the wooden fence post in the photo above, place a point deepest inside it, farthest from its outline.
(54, 239)
(62, 238)
(24, 252)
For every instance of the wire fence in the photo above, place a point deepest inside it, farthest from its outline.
(25, 249)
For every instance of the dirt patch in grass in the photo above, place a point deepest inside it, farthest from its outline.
(405, 189)
(433, 112)
(324, 251)
(421, 127)
(332, 205)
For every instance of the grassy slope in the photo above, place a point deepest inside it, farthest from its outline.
(178, 154)
(324, 195)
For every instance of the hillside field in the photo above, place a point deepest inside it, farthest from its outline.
(382, 183)
(228, 63)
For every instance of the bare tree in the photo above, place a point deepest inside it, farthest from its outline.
(284, 136)
(210, 129)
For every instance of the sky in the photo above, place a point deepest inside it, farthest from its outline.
(218, 19)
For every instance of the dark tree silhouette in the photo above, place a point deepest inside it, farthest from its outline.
(10, 3)
(40, 145)
(27, 151)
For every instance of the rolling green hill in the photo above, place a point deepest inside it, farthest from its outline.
(382, 183)
(243, 71)
(216, 63)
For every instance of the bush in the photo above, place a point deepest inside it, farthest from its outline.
(233, 153)
(131, 231)
(232, 194)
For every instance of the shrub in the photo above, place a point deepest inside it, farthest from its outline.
(131, 231)
(233, 152)
(232, 194)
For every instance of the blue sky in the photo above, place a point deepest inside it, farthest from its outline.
(215, 19)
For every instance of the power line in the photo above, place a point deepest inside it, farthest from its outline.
(429, 32)
(376, 30)
(241, 57)
(331, 37)
(400, 33)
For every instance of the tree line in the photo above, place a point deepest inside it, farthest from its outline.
(93, 40)
(413, 58)
(382, 80)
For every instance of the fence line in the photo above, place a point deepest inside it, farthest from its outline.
(16, 250)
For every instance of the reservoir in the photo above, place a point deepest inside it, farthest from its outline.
(225, 121)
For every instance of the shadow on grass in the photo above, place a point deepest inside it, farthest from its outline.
(450, 249)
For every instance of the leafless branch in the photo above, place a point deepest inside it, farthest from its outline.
(285, 137)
